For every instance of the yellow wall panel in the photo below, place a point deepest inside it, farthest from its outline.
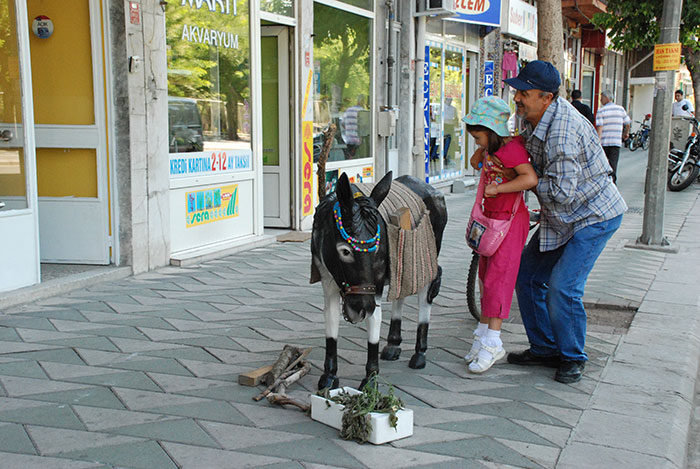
(66, 172)
(62, 64)
(12, 177)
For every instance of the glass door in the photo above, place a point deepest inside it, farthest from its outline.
(19, 260)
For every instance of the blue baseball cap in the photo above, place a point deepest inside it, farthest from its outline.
(537, 75)
(490, 112)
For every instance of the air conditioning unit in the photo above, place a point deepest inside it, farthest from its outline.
(435, 8)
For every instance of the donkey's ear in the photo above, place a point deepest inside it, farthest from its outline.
(381, 189)
(343, 190)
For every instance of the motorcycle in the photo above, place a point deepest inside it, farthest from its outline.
(684, 165)
(640, 138)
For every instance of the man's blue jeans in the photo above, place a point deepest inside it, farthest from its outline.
(550, 291)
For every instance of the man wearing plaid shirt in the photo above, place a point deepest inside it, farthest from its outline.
(581, 208)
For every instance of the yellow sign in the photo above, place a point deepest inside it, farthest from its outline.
(667, 57)
(210, 205)
(307, 167)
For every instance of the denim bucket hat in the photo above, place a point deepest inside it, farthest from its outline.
(492, 113)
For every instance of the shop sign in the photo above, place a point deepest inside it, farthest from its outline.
(307, 198)
(527, 52)
(210, 205)
(488, 78)
(667, 57)
(184, 165)
(426, 112)
(487, 12)
(521, 20)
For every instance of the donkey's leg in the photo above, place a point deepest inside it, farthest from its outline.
(392, 350)
(374, 324)
(424, 306)
(331, 313)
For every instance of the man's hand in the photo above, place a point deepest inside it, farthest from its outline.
(491, 190)
(477, 158)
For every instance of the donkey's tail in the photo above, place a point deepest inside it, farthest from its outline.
(434, 288)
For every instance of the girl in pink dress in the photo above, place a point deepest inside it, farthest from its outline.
(507, 173)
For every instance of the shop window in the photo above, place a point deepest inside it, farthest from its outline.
(278, 7)
(342, 59)
(366, 4)
(437, 138)
(208, 53)
(454, 83)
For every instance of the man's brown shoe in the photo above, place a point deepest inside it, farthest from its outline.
(527, 358)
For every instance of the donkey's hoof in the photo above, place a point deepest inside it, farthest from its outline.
(328, 382)
(417, 361)
(391, 352)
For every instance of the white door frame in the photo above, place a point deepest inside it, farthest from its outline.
(282, 172)
(65, 237)
(19, 248)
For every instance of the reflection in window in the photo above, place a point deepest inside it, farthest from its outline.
(208, 77)
(437, 142)
(342, 82)
(278, 7)
(453, 110)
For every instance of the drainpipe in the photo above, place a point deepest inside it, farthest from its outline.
(389, 73)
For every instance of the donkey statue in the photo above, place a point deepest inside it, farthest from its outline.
(351, 256)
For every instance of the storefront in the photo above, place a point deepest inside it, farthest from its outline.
(519, 29)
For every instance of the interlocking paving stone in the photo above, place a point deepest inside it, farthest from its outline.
(9, 334)
(238, 437)
(97, 419)
(308, 450)
(94, 396)
(377, 456)
(65, 314)
(14, 439)
(513, 410)
(164, 365)
(178, 431)
(27, 322)
(54, 354)
(21, 386)
(24, 368)
(145, 455)
(480, 449)
(54, 415)
(11, 461)
(96, 343)
(495, 427)
(197, 457)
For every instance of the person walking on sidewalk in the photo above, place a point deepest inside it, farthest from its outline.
(613, 125)
(581, 208)
(581, 107)
(487, 123)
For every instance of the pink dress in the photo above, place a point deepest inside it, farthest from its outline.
(499, 272)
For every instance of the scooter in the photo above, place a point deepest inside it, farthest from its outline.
(640, 139)
(684, 165)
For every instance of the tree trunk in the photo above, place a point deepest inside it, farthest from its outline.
(550, 36)
(692, 61)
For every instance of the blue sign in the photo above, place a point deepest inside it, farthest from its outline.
(488, 78)
(487, 12)
(426, 111)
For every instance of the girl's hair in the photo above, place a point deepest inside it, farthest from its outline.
(495, 140)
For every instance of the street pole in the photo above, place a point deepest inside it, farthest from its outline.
(655, 194)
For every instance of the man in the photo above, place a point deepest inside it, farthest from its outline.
(352, 136)
(678, 110)
(581, 208)
(613, 126)
(584, 109)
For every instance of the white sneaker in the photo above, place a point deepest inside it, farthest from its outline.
(486, 358)
(476, 346)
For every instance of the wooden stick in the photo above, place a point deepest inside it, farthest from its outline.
(328, 135)
(288, 354)
(269, 389)
(304, 353)
(283, 399)
(297, 375)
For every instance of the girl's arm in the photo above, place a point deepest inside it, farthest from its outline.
(525, 179)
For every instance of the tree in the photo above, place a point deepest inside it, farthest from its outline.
(550, 36)
(634, 24)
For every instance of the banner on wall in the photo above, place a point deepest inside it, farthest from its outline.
(210, 205)
(426, 112)
(486, 12)
(201, 163)
(307, 168)
(488, 78)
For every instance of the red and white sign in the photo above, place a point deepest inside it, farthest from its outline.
(134, 13)
(472, 7)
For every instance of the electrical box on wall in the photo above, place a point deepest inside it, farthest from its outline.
(386, 121)
(435, 8)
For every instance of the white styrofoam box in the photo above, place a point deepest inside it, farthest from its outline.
(331, 414)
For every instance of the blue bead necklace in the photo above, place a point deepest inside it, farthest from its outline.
(369, 245)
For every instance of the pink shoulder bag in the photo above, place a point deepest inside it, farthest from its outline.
(484, 235)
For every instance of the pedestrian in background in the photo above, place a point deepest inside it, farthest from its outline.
(613, 125)
(678, 104)
(584, 109)
(581, 208)
(487, 123)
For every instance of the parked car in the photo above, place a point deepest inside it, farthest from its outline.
(184, 125)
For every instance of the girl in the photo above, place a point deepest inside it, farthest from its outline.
(507, 172)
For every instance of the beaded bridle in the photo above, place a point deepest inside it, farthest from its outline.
(367, 245)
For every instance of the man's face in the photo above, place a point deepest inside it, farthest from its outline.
(678, 97)
(531, 104)
(604, 99)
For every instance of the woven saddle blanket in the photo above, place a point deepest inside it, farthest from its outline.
(413, 253)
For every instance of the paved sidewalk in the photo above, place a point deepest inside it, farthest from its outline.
(142, 372)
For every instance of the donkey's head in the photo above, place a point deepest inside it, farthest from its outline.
(357, 251)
